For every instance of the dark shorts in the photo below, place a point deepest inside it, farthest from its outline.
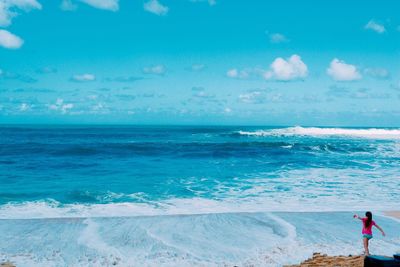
(367, 236)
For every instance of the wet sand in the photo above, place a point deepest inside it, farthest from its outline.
(393, 213)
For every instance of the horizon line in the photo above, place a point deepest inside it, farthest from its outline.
(185, 125)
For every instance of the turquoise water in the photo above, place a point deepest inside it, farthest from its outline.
(192, 185)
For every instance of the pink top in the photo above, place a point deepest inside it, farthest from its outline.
(367, 230)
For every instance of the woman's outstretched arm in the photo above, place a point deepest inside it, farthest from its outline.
(357, 217)
(380, 229)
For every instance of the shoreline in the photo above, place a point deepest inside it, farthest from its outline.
(394, 214)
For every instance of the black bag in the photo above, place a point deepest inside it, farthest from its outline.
(380, 261)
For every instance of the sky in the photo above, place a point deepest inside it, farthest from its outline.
(198, 62)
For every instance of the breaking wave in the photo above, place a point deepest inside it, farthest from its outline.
(372, 133)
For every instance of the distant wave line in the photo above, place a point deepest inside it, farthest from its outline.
(374, 133)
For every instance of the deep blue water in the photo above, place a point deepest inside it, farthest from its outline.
(154, 165)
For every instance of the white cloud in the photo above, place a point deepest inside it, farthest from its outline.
(197, 67)
(99, 108)
(155, 7)
(9, 40)
(238, 74)
(156, 69)
(66, 107)
(340, 71)
(280, 69)
(112, 5)
(285, 70)
(61, 106)
(67, 5)
(227, 110)
(24, 107)
(210, 2)
(86, 77)
(232, 73)
(375, 26)
(203, 94)
(8, 9)
(379, 73)
(277, 38)
(255, 97)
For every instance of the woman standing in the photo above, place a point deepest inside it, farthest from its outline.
(367, 229)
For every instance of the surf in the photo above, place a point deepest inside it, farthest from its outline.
(372, 133)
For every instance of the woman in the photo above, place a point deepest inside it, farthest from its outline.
(367, 229)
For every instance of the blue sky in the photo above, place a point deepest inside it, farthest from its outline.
(328, 63)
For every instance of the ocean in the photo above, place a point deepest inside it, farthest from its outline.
(193, 196)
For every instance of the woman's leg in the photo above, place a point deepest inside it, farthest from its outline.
(366, 246)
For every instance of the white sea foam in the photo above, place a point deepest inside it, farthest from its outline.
(241, 239)
(53, 209)
(373, 133)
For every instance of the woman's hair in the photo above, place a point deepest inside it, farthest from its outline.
(368, 214)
